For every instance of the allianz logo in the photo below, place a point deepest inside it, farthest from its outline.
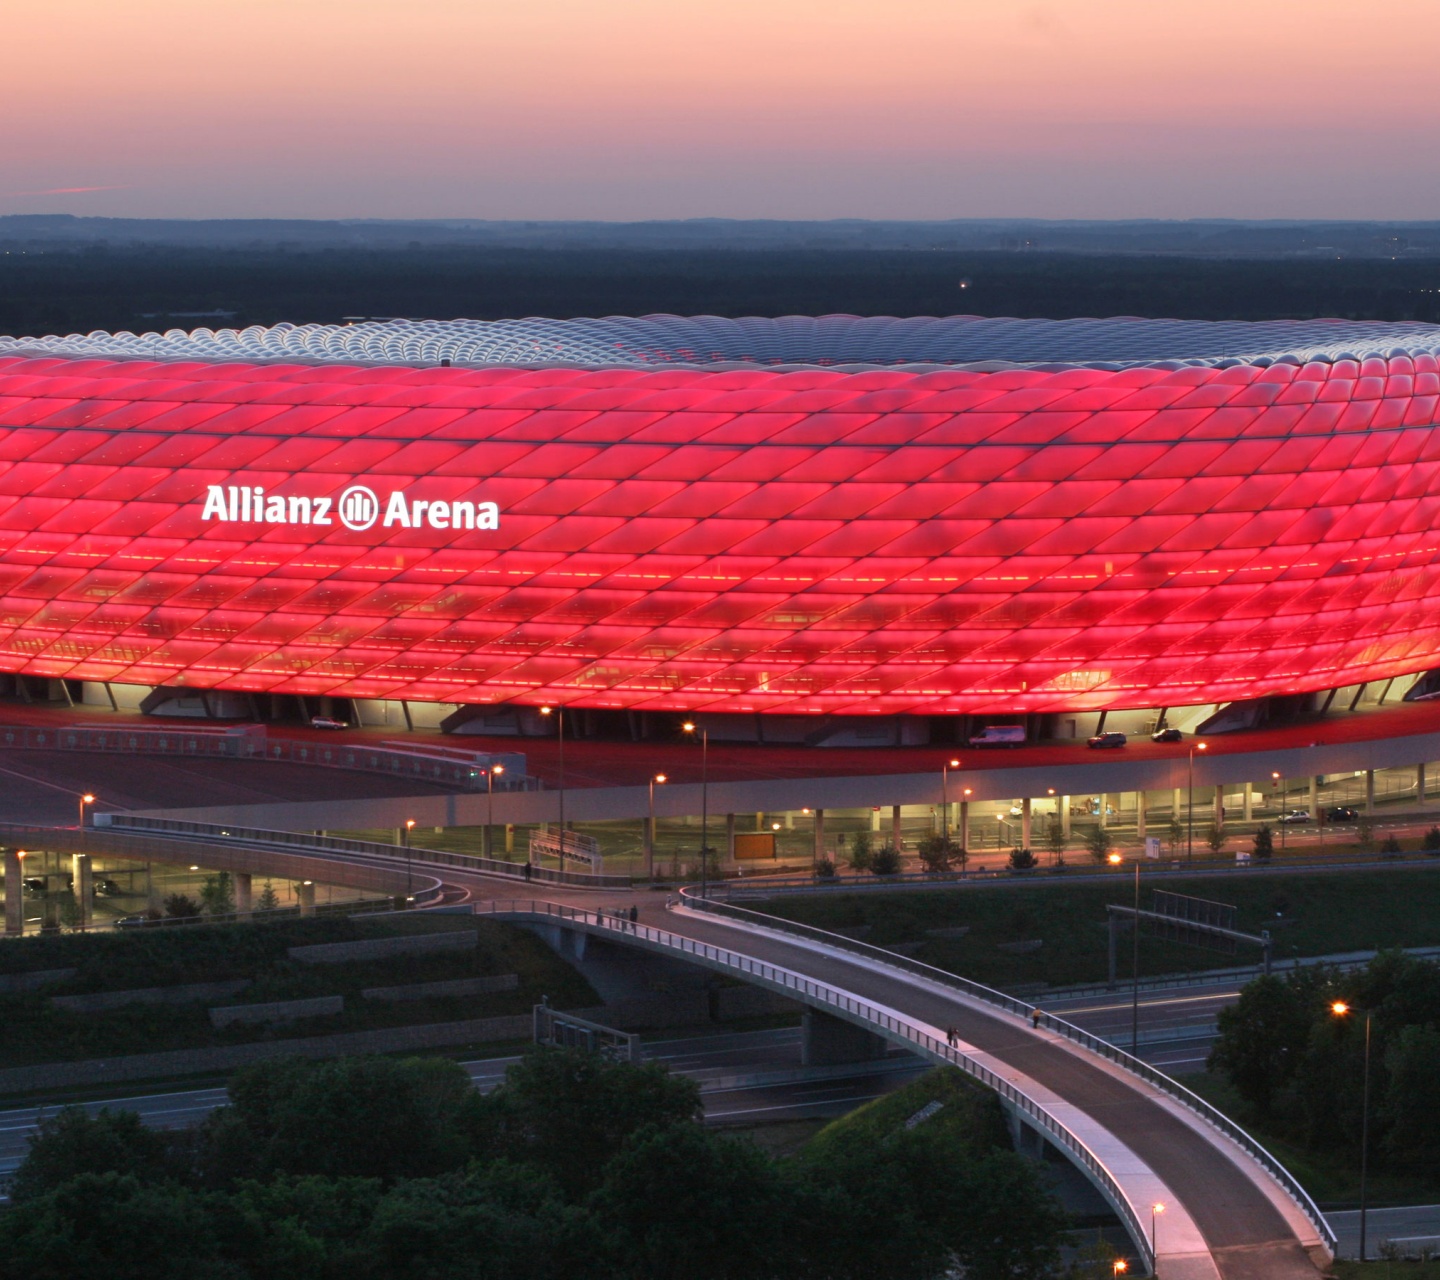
(357, 508)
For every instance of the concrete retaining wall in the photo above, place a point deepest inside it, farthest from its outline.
(101, 1001)
(278, 1011)
(452, 987)
(379, 948)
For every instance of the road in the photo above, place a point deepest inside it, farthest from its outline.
(736, 1072)
(1411, 1228)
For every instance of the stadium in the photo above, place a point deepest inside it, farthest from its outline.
(758, 520)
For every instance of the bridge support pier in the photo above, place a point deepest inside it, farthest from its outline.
(1314, 798)
(895, 825)
(1139, 815)
(14, 892)
(1369, 790)
(826, 1040)
(307, 898)
(83, 887)
(244, 900)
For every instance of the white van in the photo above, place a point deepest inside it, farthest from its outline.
(1000, 735)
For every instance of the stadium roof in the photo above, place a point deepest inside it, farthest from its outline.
(837, 341)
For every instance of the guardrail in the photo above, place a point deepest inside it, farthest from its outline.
(369, 848)
(251, 743)
(856, 1010)
(1025, 1009)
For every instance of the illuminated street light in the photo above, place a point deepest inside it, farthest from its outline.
(945, 799)
(1155, 1211)
(689, 727)
(409, 886)
(490, 805)
(1340, 1009)
(559, 714)
(1190, 802)
(650, 830)
(87, 798)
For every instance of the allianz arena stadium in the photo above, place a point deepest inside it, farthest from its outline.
(801, 515)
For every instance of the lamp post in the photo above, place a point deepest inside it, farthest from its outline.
(1340, 1009)
(1115, 860)
(409, 884)
(1155, 1211)
(945, 799)
(87, 798)
(1190, 803)
(1278, 784)
(689, 727)
(650, 830)
(1119, 1267)
(559, 714)
(490, 806)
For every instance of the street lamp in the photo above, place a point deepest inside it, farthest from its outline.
(559, 714)
(1115, 860)
(945, 799)
(650, 830)
(490, 805)
(87, 798)
(1190, 803)
(1340, 1009)
(1155, 1211)
(1278, 784)
(1119, 1267)
(409, 886)
(689, 727)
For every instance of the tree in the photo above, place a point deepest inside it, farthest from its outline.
(1263, 1036)
(1176, 833)
(825, 869)
(1365, 833)
(711, 1183)
(1055, 838)
(860, 852)
(885, 861)
(1215, 837)
(72, 1142)
(568, 1112)
(1411, 1097)
(1264, 844)
(1098, 843)
(362, 1117)
(217, 894)
(268, 900)
(1431, 841)
(1390, 846)
(1021, 860)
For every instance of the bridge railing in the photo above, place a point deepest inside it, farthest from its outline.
(306, 840)
(1026, 1009)
(855, 1010)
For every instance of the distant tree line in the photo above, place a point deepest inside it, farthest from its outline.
(1299, 1064)
(68, 290)
(385, 1169)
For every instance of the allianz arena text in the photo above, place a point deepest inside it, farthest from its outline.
(833, 515)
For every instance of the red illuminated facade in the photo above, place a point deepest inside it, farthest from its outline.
(734, 540)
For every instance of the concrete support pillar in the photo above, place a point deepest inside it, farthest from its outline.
(789, 819)
(1420, 782)
(759, 822)
(1104, 804)
(1369, 790)
(509, 838)
(487, 842)
(14, 892)
(1065, 815)
(244, 900)
(1314, 798)
(307, 898)
(1140, 815)
(83, 887)
(1249, 806)
(827, 1041)
(962, 828)
(1176, 804)
(154, 898)
(819, 834)
(874, 820)
(895, 825)
(1219, 815)
(1025, 823)
(729, 837)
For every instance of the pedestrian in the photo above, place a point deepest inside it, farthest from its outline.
(634, 917)
(1035, 1018)
(529, 871)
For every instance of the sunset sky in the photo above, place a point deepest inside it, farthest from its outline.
(626, 109)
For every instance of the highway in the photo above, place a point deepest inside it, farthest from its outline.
(743, 1078)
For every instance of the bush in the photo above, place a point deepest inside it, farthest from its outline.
(1021, 859)
(886, 861)
(180, 906)
(1431, 841)
(825, 869)
(1365, 833)
(1215, 837)
(1264, 846)
(1390, 847)
(1098, 843)
(939, 853)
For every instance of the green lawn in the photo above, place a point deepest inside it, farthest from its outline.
(1306, 914)
(36, 1032)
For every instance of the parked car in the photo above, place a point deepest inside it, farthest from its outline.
(1295, 817)
(35, 885)
(131, 922)
(327, 722)
(1110, 739)
(1000, 735)
(1166, 735)
(106, 889)
(1341, 813)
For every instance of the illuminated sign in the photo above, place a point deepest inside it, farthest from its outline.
(358, 509)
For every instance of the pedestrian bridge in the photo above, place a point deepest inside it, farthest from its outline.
(1231, 1211)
